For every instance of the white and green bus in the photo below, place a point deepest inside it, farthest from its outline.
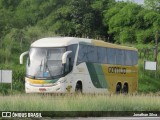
(69, 64)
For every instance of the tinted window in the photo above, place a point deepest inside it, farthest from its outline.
(82, 54)
(111, 53)
(128, 57)
(92, 54)
(72, 48)
(119, 57)
(102, 55)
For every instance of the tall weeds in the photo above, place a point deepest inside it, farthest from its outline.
(71, 102)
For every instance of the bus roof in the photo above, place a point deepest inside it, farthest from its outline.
(110, 45)
(65, 41)
(58, 41)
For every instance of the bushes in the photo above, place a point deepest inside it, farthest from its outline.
(18, 78)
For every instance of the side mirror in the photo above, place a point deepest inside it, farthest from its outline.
(64, 56)
(21, 57)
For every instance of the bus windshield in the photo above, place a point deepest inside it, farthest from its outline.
(45, 63)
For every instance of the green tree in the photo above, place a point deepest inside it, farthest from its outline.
(79, 9)
(127, 35)
(120, 18)
(153, 4)
(10, 4)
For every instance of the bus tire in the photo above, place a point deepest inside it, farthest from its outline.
(78, 88)
(118, 88)
(125, 88)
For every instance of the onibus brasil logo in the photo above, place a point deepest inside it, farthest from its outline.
(21, 115)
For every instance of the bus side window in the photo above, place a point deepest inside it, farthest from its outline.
(92, 54)
(111, 53)
(120, 57)
(128, 58)
(82, 54)
(72, 48)
(101, 55)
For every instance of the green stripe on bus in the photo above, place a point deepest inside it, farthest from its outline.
(97, 75)
(51, 81)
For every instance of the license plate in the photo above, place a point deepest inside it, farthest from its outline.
(42, 89)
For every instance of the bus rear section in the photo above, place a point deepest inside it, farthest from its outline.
(111, 68)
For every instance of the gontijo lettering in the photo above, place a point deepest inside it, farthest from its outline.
(117, 70)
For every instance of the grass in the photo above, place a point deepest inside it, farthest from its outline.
(37, 102)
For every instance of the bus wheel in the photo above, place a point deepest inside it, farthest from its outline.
(78, 88)
(118, 88)
(125, 88)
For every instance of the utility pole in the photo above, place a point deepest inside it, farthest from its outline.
(156, 51)
(156, 46)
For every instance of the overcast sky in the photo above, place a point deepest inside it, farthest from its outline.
(137, 1)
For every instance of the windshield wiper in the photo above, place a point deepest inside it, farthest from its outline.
(47, 68)
(29, 76)
(46, 65)
(41, 65)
